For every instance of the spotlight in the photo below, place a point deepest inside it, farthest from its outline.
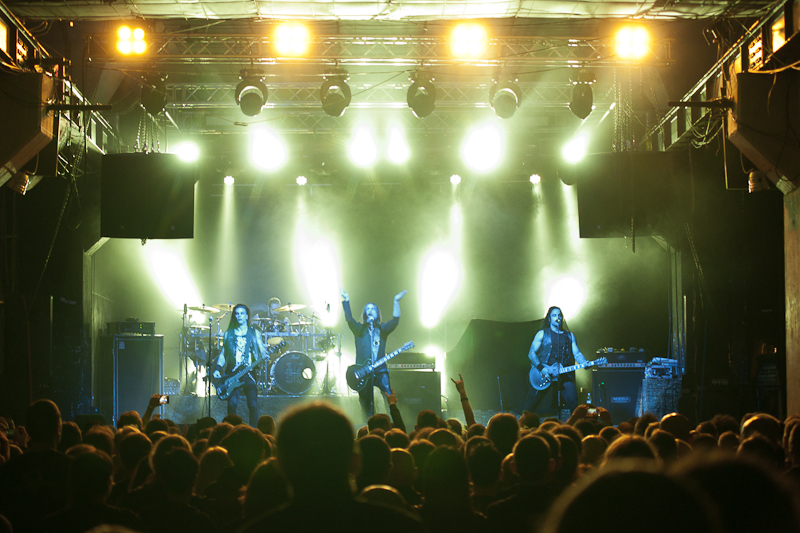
(455, 179)
(582, 100)
(187, 151)
(267, 150)
(154, 94)
(398, 151)
(228, 180)
(291, 39)
(130, 41)
(504, 98)
(469, 41)
(632, 43)
(536, 179)
(251, 94)
(575, 149)
(421, 96)
(482, 150)
(301, 180)
(363, 150)
(334, 95)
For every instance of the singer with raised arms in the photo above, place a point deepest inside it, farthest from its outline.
(370, 336)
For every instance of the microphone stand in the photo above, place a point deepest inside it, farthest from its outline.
(208, 363)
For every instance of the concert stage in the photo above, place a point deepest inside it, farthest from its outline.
(188, 409)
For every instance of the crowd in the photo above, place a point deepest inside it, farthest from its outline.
(313, 472)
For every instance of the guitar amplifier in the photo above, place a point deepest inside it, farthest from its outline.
(632, 358)
(131, 327)
(412, 361)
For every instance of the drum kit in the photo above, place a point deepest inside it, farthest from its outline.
(291, 371)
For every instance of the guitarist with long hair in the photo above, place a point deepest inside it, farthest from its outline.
(241, 346)
(370, 336)
(554, 346)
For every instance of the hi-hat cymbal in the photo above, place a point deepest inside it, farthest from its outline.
(204, 309)
(291, 308)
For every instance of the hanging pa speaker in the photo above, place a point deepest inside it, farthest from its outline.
(147, 196)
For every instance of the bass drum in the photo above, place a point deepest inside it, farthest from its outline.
(293, 373)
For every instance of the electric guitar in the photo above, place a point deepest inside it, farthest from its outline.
(541, 381)
(358, 375)
(227, 384)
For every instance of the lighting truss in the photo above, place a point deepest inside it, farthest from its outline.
(343, 50)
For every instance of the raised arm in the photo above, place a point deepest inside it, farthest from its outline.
(396, 306)
(348, 314)
(397, 418)
(469, 416)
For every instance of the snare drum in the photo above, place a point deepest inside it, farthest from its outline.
(293, 373)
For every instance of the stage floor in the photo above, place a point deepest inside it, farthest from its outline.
(187, 409)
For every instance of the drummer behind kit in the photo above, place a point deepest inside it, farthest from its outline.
(292, 372)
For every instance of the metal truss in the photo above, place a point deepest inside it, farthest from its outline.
(342, 50)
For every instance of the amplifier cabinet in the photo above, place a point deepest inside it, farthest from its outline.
(131, 370)
(416, 390)
(618, 390)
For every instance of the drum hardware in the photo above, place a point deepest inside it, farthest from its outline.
(290, 308)
(204, 309)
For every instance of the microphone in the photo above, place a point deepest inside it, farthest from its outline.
(327, 307)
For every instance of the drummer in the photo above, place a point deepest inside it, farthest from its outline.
(276, 321)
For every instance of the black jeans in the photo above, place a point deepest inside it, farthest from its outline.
(366, 396)
(543, 402)
(251, 392)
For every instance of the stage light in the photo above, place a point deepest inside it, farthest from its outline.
(441, 276)
(267, 150)
(455, 179)
(251, 94)
(167, 265)
(187, 151)
(483, 148)
(536, 179)
(469, 41)
(301, 180)
(291, 39)
(317, 264)
(568, 294)
(363, 150)
(334, 95)
(228, 180)
(504, 97)
(398, 151)
(582, 101)
(575, 149)
(154, 94)
(421, 96)
(632, 43)
(130, 41)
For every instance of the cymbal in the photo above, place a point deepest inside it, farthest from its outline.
(272, 341)
(301, 323)
(223, 307)
(291, 308)
(197, 326)
(204, 309)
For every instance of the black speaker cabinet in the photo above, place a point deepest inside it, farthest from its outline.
(131, 369)
(147, 196)
(618, 390)
(416, 390)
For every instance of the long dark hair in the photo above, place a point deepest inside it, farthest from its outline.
(233, 324)
(546, 321)
(364, 314)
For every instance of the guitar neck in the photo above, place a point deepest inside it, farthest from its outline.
(578, 367)
(382, 360)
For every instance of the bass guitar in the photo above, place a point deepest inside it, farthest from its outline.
(541, 381)
(358, 375)
(227, 384)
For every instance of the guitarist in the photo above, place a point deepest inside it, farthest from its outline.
(370, 336)
(554, 345)
(241, 346)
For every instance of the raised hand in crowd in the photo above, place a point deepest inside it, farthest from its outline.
(469, 416)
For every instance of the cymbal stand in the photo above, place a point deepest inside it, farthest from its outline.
(209, 368)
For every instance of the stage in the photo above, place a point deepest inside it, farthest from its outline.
(187, 409)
